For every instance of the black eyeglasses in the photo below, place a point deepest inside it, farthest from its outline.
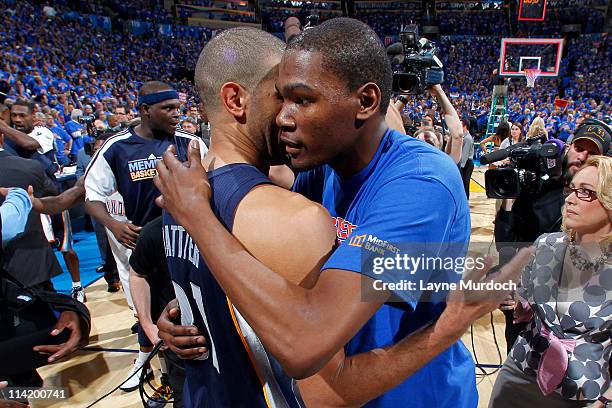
(583, 194)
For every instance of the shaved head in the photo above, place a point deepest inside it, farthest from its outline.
(236, 55)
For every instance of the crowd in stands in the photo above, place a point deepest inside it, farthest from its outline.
(107, 67)
(86, 65)
(472, 23)
(584, 81)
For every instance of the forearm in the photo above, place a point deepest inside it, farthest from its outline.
(451, 117)
(455, 148)
(19, 138)
(64, 201)
(97, 209)
(352, 381)
(141, 295)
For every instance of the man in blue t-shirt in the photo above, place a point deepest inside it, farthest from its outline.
(63, 141)
(382, 189)
(76, 131)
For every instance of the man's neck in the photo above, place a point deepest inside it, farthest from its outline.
(144, 130)
(229, 145)
(362, 152)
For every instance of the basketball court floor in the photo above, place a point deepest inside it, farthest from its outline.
(104, 364)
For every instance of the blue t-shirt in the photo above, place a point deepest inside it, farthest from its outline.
(61, 140)
(75, 130)
(409, 193)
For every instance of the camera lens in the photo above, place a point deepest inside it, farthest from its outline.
(406, 83)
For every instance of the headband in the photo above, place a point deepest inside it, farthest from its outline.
(152, 99)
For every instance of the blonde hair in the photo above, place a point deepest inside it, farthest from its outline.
(537, 127)
(603, 189)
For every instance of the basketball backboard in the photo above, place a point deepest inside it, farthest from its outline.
(519, 54)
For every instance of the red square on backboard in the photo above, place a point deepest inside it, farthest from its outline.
(532, 10)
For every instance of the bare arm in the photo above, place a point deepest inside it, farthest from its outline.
(98, 210)
(141, 295)
(453, 122)
(483, 142)
(125, 232)
(21, 139)
(64, 201)
(394, 117)
(282, 176)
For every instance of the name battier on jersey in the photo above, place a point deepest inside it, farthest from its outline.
(237, 371)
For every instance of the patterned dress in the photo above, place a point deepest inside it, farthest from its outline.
(582, 316)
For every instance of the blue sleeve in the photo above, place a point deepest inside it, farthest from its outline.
(63, 134)
(410, 217)
(14, 213)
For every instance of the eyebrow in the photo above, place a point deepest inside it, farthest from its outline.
(583, 185)
(297, 86)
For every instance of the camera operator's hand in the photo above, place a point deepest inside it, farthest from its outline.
(126, 233)
(78, 337)
(453, 122)
(185, 341)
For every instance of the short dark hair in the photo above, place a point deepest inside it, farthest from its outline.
(352, 51)
(24, 102)
(466, 122)
(239, 55)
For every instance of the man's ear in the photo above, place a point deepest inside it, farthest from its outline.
(143, 110)
(233, 99)
(369, 101)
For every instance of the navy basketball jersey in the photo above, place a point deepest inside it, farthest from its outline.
(126, 164)
(237, 371)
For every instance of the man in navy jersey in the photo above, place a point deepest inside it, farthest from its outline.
(126, 164)
(303, 327)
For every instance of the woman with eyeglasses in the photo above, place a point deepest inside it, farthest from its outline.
(562, 359)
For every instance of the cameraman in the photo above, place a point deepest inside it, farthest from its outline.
(532, 215)
(455, 128)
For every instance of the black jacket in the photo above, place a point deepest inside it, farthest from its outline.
(29, 257)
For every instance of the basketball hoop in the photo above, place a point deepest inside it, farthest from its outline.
(531, 75)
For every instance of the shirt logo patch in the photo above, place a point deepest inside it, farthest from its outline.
(142, 169)
(357, 240)
(343, 228)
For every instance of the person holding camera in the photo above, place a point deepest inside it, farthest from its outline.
(562, 358)
(519, 222)
(427, 132)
